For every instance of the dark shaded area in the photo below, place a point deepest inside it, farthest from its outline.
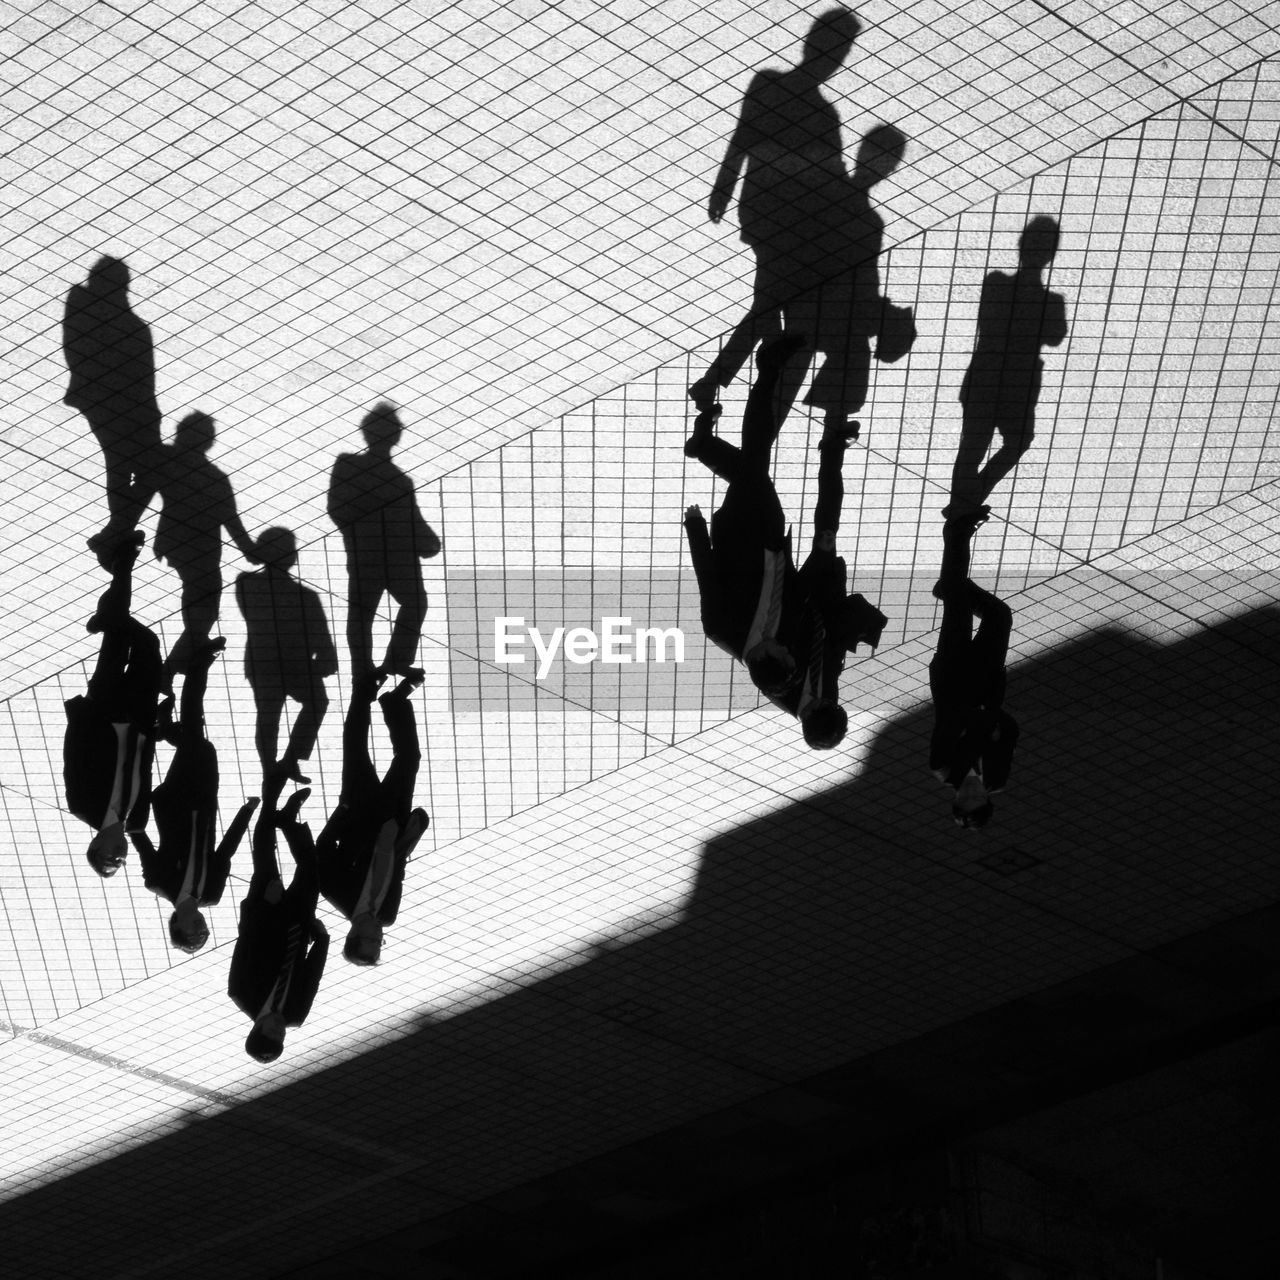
(554, 1088)
(372, 501)
(111, 360)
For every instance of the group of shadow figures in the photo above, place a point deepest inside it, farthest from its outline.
(358, 860)
(818, 297)
(817, 240)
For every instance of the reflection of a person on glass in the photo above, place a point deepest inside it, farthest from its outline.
(973, 739)
(1016, 318)
(110, 739)
(792, 206)
(281, 947)
(187, 868)
(790, 627)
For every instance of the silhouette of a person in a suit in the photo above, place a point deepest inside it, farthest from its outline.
(822, 621)
(741, 560)
(187, 869)
(198, 504)
(793, 207)
(790, 627)
(364, 847)
(1017, 316)
(281, 947)
(111, 359)
(289, 652)
(372, 501)
(110, 737)
(971, 749)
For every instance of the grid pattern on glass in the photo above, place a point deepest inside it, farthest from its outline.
(490, 218)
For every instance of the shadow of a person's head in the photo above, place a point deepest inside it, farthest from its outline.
(277, 548)
(1038, 242)
(194, 434)
(828, 43)
(109, 277)
(382, 427)
(879, 153)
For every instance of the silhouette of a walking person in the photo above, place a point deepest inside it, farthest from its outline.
(187, 869)
(790, 627)
(111, 359)
(374, 505)
(847, 310)
(971, 749)
(741, 560)
(793, 206)
(281, 947)
(289, 652)
(198, 504)
(363, 849)
(824, 621)
(1016, 318)
(110, 738)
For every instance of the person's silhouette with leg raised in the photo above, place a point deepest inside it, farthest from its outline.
(1017, 317)
(787, 148)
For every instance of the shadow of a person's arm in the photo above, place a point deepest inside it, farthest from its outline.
(1053, 328)
(704, 568)
(726, 180)
(347, 499)
(736, 153)
(234, 526)
(324, 653)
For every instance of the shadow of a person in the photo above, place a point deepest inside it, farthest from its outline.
(198, 504)
(363, 850)
(846, 311)
(289, 651)
(971, 749)
(792, 210)
(1017, 316)
(790, 627)
(187, 869)
(372, 501)
(111, 359)
(110, 739)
